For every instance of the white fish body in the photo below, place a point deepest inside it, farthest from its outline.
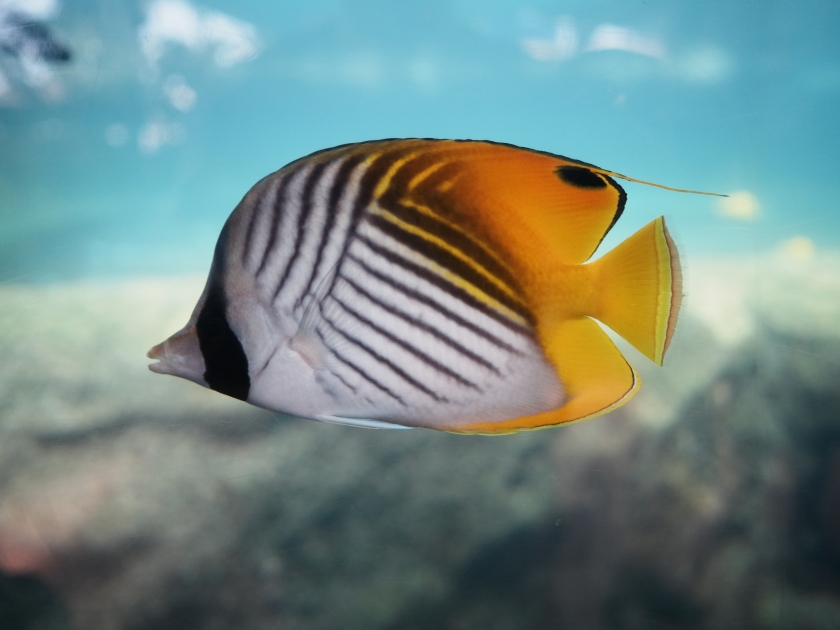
(418, 283)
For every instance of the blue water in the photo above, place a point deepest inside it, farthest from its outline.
(130, 500)
(716, 96)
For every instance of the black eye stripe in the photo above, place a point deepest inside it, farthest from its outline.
(580, 177)
(224, 358)
(225, 362)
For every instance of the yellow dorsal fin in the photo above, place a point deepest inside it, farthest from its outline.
(524, 201)
(528, 203)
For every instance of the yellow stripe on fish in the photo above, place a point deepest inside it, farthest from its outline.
(471, 287)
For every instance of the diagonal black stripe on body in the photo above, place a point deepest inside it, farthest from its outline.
(376, 170)
(361, 372)
(445, 286)
(437, 306)
(416, 352)
(451, 263)
(336, 191)
(383, 360)
(398, 190)
(456, 239)
(306, 209)
(268, 185)
(277, 210)
(421, 325)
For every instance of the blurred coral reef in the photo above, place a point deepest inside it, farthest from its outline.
(132, 501)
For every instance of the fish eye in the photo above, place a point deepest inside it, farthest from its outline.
(580, 177)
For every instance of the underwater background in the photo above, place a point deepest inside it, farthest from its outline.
(133, 501)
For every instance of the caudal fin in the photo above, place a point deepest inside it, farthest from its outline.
(639, 289)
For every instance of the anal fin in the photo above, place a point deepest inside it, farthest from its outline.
(595, 375)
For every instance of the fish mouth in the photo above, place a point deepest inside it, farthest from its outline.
(180, 355)
(158, 353)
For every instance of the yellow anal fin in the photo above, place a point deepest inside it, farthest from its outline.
(595, 375)
(638, 288)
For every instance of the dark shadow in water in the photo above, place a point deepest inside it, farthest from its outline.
(814, 555)
(512, 584)
(509, 584)
(644, 600)
(250, 425)
(26, 603)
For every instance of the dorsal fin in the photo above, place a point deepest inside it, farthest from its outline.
(526, 201)
(522, 197)
(529, 201)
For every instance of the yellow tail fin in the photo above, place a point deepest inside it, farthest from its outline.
(639, 289)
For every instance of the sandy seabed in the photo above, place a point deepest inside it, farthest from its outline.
(133, 500)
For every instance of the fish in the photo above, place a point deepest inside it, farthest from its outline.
(432, 283)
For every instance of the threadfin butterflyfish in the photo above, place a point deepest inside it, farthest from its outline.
(430, 283)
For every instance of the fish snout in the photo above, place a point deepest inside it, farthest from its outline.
(158, 352)
(180, 355)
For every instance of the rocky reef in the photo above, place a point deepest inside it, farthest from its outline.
(130, 501)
